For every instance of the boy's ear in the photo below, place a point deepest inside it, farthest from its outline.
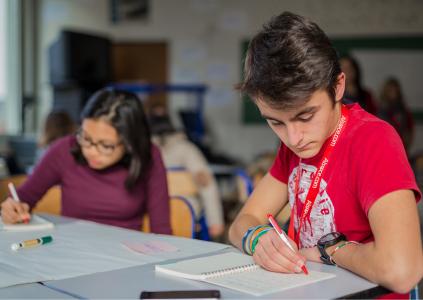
(340, 87)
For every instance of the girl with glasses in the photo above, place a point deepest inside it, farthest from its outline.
(109, 172)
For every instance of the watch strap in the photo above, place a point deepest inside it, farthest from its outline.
(322, 246)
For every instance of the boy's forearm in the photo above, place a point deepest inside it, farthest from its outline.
(398, 272)
(239, 227)
(234, 236)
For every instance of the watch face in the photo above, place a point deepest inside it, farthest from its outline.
(329, 237)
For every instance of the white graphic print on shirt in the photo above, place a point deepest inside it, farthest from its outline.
(321, 219)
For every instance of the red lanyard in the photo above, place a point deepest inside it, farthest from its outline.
(315, 184)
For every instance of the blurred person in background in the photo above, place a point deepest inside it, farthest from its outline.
(178, 151)
(354, 90)
(394, 110)
(57, 124)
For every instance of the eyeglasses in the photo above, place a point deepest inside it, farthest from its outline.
(102, 148)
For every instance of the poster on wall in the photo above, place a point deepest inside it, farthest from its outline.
(123, 11)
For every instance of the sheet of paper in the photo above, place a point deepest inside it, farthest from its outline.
(36, 223)
(151, 247)
(260, 282)
(239, 272)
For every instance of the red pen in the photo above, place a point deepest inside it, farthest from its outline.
(283, 237)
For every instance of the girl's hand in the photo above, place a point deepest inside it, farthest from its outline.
(14, 212)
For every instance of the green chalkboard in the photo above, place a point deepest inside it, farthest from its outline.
(250, 113)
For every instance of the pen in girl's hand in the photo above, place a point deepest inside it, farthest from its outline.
(283, 237)
(15, 197)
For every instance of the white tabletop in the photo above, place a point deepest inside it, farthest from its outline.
(129, 282)
(32, 291)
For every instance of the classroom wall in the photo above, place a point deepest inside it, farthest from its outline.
(205, 38)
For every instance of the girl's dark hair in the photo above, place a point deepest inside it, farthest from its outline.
(356, 66)
(358, 80)
(392, 81)
(288, 60)
(122, 110)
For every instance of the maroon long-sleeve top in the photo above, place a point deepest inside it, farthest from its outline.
(100, 195)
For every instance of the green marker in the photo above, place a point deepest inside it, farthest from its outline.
(32, 243)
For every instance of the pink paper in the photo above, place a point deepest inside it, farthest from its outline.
(151, 247)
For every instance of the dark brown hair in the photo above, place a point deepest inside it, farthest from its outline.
(56, 125)
(287, 61)
(122, 110)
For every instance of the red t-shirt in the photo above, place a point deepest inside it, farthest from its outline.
(367, 162)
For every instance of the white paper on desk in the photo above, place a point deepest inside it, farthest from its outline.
(36, 223)
(81, 248)
(261, 282)
(239, 272)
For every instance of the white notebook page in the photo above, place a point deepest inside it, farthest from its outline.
(236, 271)
(260, 282)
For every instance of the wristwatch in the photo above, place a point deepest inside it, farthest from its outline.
(326, 241)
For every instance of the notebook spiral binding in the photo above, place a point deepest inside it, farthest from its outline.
(227, 271)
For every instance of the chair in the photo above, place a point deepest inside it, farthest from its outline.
(181, 182)
(182, 218)
(50, 203)
(244, 185)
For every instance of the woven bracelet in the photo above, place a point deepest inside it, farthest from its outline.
(255, 233)
(339, 247)
(246, 237)
(256, 239)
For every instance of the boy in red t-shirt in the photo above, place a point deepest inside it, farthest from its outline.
(344, 172)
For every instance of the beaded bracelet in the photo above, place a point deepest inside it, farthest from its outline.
(339, 247)
(256, 239)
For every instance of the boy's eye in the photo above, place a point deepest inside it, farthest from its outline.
(275, 123)
(305, 118)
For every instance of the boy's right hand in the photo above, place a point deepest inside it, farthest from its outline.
(274, 255)
(14, 212)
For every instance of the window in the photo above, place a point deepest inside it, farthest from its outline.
(10, 67)
(3, 66)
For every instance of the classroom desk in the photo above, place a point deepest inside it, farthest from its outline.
(129, 282)
(31, 291)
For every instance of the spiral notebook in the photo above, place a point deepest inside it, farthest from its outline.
(239, 272)
(36, 223)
